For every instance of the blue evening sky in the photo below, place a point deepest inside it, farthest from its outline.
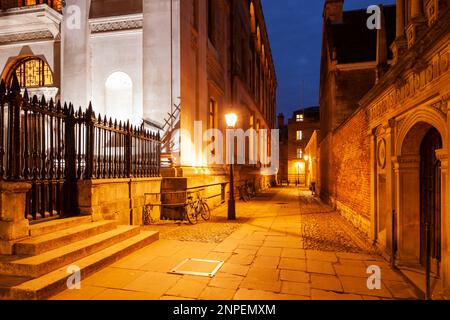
(295, 31)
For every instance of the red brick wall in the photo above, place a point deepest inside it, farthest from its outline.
(345, 169)
(351, 163)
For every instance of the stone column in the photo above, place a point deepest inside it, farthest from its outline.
(162, 58)
(442, 155)
(400, 12)
(390, 182)
(13, 224)
(407, 183)
(75, 75)
(373, 187)
(399, 45)
(417, 24)
(416, 9)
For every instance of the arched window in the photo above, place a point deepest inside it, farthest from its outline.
(119, 96)
(32, 72)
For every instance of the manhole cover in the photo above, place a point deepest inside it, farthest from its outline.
(198, 267)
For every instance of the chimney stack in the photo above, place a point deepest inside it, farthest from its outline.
(333, 11)
(280, 121)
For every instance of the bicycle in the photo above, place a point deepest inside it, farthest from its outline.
(243, 193)
(195, 208)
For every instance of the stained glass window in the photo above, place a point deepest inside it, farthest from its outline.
(34, 73)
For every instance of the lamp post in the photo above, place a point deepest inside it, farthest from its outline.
(231, 120)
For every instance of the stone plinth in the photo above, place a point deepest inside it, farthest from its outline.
(13, 224)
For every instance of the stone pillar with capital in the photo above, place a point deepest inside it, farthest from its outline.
(13, 224)
(399, 45)
(390, 181)
(417, 23)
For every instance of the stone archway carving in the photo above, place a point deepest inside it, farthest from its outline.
(428, 116)
(407, 179)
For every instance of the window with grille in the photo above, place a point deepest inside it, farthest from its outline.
(33, 73)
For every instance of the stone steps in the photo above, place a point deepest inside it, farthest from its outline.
(56, 281)
(47, 227)
(38, 265)
(50, 241)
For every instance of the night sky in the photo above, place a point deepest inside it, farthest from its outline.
(295, 31)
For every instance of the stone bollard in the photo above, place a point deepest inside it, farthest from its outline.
(13, 224)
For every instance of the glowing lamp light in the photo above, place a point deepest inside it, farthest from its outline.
(231, 120)
(306, 157)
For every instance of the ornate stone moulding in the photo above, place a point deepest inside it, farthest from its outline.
(27, 36)
(119, 23)
(408, 86)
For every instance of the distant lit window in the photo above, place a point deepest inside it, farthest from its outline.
(299, 153)
(33, 72)
(299, 135)
(299, 118)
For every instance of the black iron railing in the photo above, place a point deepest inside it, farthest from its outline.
(53, 146)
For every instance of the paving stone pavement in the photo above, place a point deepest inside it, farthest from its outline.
(267, 258)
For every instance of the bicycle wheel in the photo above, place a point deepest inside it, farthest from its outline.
(191, 214)
(206, 212)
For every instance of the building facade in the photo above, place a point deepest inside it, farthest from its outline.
(385, 129)
(164, 63)
(294, 164)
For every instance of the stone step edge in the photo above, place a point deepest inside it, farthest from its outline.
(47, 242)
(56, 281)
(68, 254)
(47, 227)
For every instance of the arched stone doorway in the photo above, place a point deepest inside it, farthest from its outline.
(419, 182)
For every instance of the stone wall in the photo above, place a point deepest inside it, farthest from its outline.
(122, 200)
(345, 170)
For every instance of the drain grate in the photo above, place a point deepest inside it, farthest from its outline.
(198, 267)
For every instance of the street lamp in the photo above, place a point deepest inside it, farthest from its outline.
(231, 120)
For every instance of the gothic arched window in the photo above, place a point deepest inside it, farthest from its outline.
(32, 73)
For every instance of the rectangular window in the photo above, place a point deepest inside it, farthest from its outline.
(212, 118)
(299, 117)
(299, 135)
(299, 153)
